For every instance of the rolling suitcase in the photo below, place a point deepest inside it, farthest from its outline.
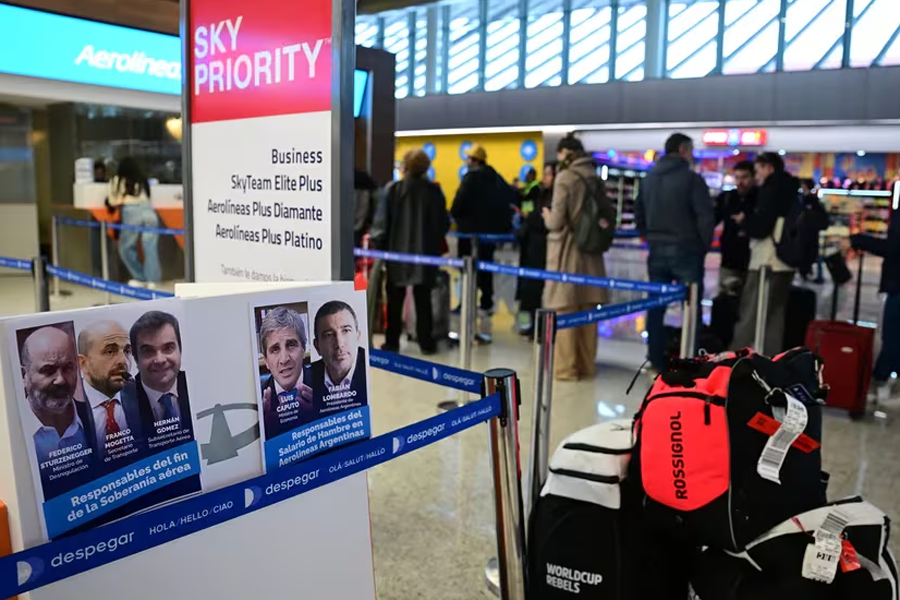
(440, 309)
(847, 350)
(801, 311)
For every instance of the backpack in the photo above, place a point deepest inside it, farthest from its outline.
(727, 446)
(586, 538)
(500, 211)
(772, 566)
(799, 243)
(595, 227)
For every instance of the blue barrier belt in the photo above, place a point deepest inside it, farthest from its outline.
(616, 310)
(416, 259)
(15, 263)
(142, 229)
(498, 238)
(64, 558)
(452, 377)
(77, 222)
(577, 279)
(107, 286)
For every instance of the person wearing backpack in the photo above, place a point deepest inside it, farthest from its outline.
(675, 214)
(581, 225)
(767, 225)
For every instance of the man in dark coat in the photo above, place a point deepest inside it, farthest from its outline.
(339, 379)
(412, 219)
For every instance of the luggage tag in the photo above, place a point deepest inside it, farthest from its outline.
(777, 446)
(820, 562)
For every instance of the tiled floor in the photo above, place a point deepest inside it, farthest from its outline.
(432, 517)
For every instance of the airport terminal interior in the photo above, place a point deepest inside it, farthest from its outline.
(810, 84)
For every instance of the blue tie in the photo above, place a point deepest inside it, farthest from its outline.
(168, 409)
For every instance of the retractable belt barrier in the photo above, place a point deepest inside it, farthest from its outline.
(106, 286)
(119, 226)
(491, 238)
(613, 311)
(45, 564)
(15, 263)
(577, 279)
(416, 259)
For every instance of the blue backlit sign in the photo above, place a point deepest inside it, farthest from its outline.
(49, 46)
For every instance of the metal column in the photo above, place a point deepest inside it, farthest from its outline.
(762, 310)
(544, 342)
(54, 252)
(41, 291)
(690, 314)
(506, 574)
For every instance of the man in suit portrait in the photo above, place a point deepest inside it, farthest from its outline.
(339, 378)
(287, 399)
(50, 375)
(104, 354)
(162, 392)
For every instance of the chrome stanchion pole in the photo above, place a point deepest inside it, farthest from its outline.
(41, 291)
(690, 314)
(762, 310)
(54, 252)
(544, 342)
(466, 326)
(104, 256)
(505, 575)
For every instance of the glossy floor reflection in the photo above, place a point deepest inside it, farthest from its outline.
(432, 511)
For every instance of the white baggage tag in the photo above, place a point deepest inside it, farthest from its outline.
(820, 562)
(777, 446)
(821, 559)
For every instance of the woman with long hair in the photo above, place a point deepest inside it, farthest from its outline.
(130, 190)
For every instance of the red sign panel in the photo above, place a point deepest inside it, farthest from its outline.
(259, 58)
(735, 137)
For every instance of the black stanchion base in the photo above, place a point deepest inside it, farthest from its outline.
(448, 405)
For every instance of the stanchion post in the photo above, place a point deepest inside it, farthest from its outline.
(41, 290)
(507, 572)
(544, 343)
(54, 251)
(468, 288)
(104, 256)
(762, 310)
(690, 314)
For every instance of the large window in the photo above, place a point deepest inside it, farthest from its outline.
(631, 33)
(751, 36)
(692, 38)
(544, 44)
(814, 34)
(463, 59)
(589, 39)
(876, 33)
(396, 41)
(420, 54)
(503, 36)
(367, 27)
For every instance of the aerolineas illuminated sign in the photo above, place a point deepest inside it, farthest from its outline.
(137, 62)
(87, 52)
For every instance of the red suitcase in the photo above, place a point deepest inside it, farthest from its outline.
(847, 350)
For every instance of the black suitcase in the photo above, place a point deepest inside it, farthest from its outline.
(724, 317)
(801, 311)
(586, 538)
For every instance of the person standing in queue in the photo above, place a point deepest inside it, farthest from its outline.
(888, 361)
(778, 193)
(735, 244)
(674, 213)
(576, 183)
(533, 248)
(484, 203)
(130, 190)
(412, 219)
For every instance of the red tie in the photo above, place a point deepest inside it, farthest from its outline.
(111, 425)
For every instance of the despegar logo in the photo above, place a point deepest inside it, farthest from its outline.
(459, 379)
(677, 439)
(222, 444)
(137, 63)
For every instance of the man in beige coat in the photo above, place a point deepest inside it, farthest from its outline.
(576, 348)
